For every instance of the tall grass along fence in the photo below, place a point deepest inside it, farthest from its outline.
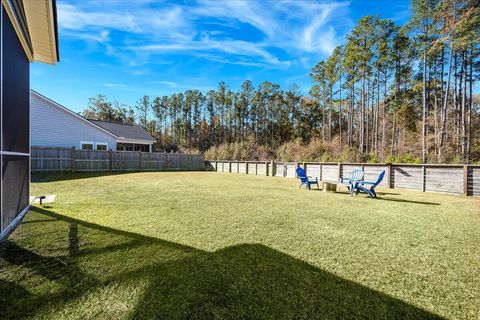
(49, 159)
(455, 179)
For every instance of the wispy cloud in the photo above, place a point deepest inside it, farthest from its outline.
(115, 85)
(279, 31)
(168, 83)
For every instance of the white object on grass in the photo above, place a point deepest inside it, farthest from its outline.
(50, 198)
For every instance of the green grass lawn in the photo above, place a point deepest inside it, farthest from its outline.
(228, 246)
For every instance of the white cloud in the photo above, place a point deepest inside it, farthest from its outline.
(115, 85)
(168, 83)
(143, 31)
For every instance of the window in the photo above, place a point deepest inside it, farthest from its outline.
(102, 146)
(142, 147)
(124, 146)
(86, 145)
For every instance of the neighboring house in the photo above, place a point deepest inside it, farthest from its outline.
(28, 32)
(54, 125)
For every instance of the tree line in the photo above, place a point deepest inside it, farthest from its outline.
(388, 93)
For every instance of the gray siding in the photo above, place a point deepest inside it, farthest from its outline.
(52, 126)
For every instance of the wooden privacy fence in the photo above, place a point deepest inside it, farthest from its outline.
(455, 179)
(49, 159)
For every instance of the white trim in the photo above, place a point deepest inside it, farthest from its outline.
(12, 153)
(29, 136)
(87, 142)
(1, 114)
(102, 144)
(71, 112)
(9, 229)
(53, 41)
(15, 24)
(125, 140)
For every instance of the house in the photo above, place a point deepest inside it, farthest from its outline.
(28, 33)
(54, 125)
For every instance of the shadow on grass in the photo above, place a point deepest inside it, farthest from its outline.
(242, 281)
(50, 177)
(410, 201)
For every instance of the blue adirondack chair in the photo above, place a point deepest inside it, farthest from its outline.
(362, 186)
(305, 180)
(357, 176)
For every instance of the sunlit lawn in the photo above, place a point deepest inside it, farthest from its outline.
(212, 245)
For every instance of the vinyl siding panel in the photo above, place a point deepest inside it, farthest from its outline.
(51, 126)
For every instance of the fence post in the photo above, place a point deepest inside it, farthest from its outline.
(424, 177)
(465, 179)
(389, 175)
(256, 168)
(266, 168)
(320, 174)
(230, 166)
(339, 173)
(273, 168)
(246, 167)
(73, 160)
(110, 158)
(295, 170)
(139, 160)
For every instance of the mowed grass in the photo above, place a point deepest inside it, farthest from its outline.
(227, 246)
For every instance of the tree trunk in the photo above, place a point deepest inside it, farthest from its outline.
(340, 114)
(424, 105)
(445, 104)
(463, 108)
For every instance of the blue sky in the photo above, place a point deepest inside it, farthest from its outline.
(126, 49)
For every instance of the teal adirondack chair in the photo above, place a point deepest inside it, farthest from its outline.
(357, 175)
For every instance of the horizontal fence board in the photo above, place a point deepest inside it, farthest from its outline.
(242, 167)
(226, 167)
(313, 170)
(261, 169)
(347, 170)
(407, 177)
(373, 171)
(474, 181)
(279, 169)
(251, 168)
(448, 180)
(330, 172)
(290, 169)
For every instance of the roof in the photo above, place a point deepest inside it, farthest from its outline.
(124, 131)
(35, 23)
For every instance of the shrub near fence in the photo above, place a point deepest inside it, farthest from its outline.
(49, 159)
(454, 179)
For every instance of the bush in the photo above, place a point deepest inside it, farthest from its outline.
(248, 150)
(348, 155)
(372, 158)
(290, 151)
(406, 158)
